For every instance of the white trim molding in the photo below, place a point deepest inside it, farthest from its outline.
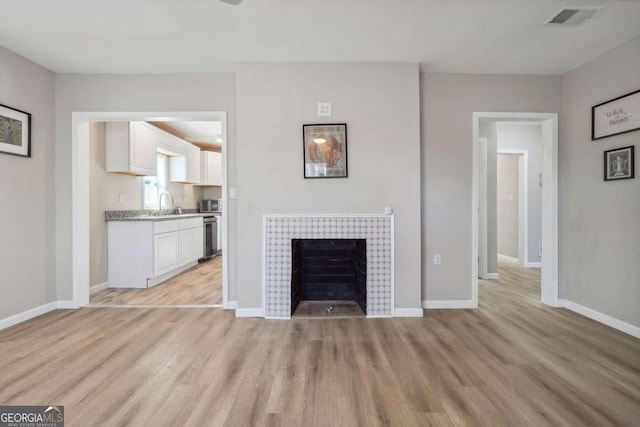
(99, 287)
(35, 312)
(605, 319)
(66, 305)
(250, 312)
(28, 314)
(438, 304)
(408, 312)
(153, 306)
(492, 276)
(231, 305)
(533, 265)
(508, 258)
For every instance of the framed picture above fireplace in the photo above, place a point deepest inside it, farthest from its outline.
(325, 150)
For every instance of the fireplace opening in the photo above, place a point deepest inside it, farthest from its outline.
(331, 273)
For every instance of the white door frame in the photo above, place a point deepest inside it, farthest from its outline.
(483, 249)
(549, 274)
(80, 189)
(523, 203)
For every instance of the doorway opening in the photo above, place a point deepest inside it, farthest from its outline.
(515, 198)
(181, 137)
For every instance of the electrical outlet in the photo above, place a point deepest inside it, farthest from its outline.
(233, 193)
(437, 259)
(324, 109)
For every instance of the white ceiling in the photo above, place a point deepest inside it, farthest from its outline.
(478, 36)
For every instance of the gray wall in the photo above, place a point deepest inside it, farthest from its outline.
(27, 230)
(142, 92)
(527, 137)
(599, 221)
(448, 102)
(380, 104)
(508, 212)
(599, 251)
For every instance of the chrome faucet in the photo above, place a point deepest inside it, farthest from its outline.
(160, 201)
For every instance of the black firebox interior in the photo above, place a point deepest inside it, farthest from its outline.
(329, 270)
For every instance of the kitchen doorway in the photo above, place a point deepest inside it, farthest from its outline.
(192, 283)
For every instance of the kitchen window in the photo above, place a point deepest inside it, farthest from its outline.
(152, 186)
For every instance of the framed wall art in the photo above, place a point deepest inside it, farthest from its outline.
(325, 150)
(619, 164)
(15, 132)
(619, 115)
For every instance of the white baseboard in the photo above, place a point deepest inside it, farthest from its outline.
(408, 312)
(66, 305)
(99, 287)
(492, 276)
(448, 303)
(508, 258)
(533, 265)
(250, 312)
(231, 305)
(620, 325)
(28, 314)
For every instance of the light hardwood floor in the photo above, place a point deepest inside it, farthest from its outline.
(512, 362)
(200, 285)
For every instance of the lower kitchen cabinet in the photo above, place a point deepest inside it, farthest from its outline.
(191, 245)
(145, 253)
(166, 254)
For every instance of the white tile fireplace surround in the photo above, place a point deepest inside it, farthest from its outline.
(279, 230)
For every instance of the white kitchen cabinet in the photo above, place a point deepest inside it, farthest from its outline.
(131, 148)
(191, 245)
(166, 253)
(186, 169)
(210, 168)
(143, 254)
(170, 145)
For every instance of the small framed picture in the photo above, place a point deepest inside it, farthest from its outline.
(618, 164)
(325, 150)
(15, 132)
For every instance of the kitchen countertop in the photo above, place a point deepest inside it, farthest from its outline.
(154, 218)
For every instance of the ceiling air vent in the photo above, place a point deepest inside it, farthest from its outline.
(571, 16)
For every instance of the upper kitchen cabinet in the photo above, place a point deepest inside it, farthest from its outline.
(170, 145)
(210, 168)
(132, 148)
(186, 168)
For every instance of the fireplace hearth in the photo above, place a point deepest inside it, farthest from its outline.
(329, 270)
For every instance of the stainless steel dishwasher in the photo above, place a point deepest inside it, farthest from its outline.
(210, 236)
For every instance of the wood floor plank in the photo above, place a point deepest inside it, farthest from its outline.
(511, 362)
(200, 285)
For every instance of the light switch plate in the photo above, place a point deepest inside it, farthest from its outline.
(233, 193)
(324, 109)
(122, 198)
